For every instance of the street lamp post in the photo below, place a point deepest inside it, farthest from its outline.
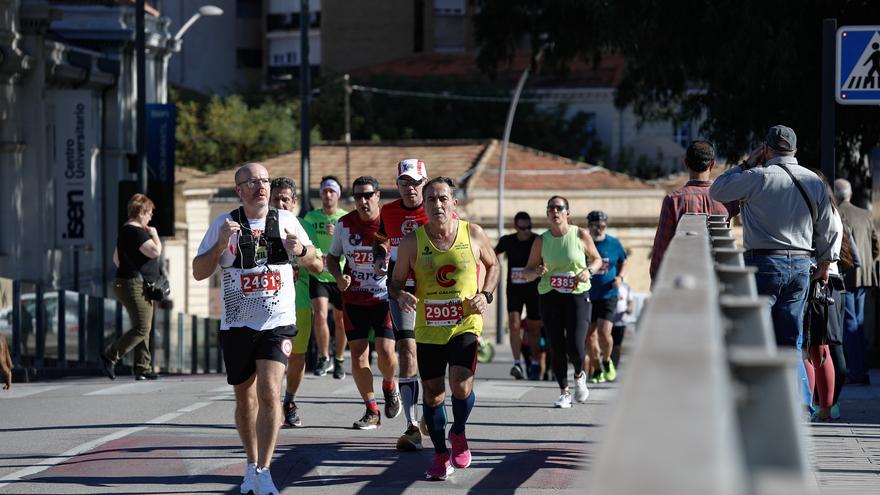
(500, 306)
(141, 81)
(304, 93)
(176, 42)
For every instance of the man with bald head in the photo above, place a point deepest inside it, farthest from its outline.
(254, 246)
(859, 282)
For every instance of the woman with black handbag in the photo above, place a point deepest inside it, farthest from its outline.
(136, 286)
(823, 331)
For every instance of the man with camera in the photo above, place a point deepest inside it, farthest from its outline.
(787, 222)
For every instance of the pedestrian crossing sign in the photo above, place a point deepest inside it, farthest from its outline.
(858, 65)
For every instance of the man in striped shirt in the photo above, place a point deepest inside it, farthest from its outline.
(692, 198)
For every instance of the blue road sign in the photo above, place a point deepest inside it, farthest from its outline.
(858, 65)
(161, 141)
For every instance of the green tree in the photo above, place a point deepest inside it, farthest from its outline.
(744, 65)
(224, 132)
(396, 117)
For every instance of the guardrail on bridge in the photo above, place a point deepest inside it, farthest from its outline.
(709, 405)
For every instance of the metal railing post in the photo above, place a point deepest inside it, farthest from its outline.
(194, 351)
(62, 330)
(16, 323)
(206, 347)
(40, 330)
(82, 328)
(180, 354)
(166, 338)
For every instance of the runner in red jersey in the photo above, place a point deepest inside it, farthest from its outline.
(365, 301)
(399, 218)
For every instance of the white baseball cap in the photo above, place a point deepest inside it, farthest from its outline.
(412, 168)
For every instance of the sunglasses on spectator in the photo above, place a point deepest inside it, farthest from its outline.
(364, 195)
(409, 182)
(255, 183)
(556, 208)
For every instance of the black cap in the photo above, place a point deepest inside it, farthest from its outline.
(597, 216)
(781, 138)
(521, 215)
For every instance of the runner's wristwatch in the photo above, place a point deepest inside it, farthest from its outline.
(488, 296)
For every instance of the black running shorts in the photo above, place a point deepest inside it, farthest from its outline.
(603, 309)
(461, 350)
(360, 319)
(325, 289)
(519, 295)
(243, 346)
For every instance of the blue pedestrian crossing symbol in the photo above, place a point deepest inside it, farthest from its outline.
(858, 65)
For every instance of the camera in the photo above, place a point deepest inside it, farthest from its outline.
(822, 294)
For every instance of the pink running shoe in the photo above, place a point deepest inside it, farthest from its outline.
(440, 469)
(461, 454)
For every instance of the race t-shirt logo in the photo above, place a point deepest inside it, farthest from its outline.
(443, 273)
(355, 239)
(408, 226)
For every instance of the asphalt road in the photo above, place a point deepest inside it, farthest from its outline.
(176, 435)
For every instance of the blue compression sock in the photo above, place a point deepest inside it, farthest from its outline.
(461, 409)
(435, 420)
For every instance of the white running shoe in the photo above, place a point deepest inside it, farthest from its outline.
(564, 401)
(249, 483)
(265, 485)
(581, 392)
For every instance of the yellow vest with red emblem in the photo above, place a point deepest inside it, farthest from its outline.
(444, 279)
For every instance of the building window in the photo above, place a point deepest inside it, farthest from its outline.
(248, 58)
(681, 134)
(248, 9)
(449, 7)
(290, 21)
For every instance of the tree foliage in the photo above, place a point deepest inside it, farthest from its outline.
(390, 117)
(224, 132)
(744, 65)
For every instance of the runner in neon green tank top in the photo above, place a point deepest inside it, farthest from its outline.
(445, 255)
(283, 197)
(322, 288)
(559, 257)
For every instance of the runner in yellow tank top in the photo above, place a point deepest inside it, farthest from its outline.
(445, 255)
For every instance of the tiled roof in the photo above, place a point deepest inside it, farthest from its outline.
(474, 164)
(676, 181)
(529, 169)
(606, 74)
(450, 158)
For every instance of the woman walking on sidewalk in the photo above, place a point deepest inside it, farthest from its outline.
(137, 261)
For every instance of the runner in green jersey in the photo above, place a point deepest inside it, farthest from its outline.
(283, 197)
(322, 288)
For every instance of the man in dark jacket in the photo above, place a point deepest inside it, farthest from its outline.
(859, 282)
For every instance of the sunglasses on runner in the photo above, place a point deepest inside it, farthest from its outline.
(364, 195)
(556, 208)
(409, 182)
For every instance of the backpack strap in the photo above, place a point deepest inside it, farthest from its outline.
(803, 192)
(245, 251)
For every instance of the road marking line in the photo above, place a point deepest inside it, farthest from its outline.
(197, 405)
(128, 388)
(19, 391)
(92, 444)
